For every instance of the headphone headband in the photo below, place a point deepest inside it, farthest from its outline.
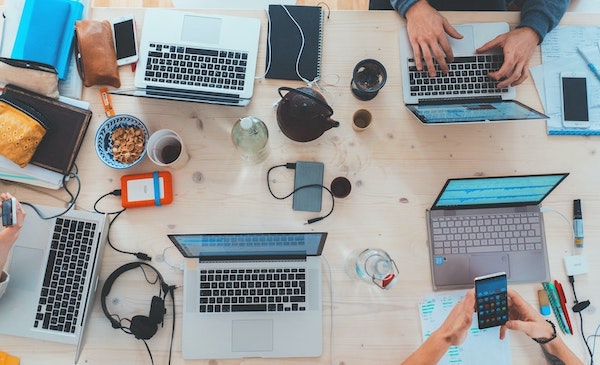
(164, 287)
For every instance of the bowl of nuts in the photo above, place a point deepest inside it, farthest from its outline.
(121, 141)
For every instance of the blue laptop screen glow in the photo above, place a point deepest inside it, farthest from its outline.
(511, 190)
(249, 244)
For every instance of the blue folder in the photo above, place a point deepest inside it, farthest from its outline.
(46, 32)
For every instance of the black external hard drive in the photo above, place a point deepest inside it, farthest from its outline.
(308, 173)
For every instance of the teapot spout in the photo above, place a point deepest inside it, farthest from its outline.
(332, 123)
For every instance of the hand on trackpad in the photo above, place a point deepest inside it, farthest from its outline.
(252, 335)
(465, 45)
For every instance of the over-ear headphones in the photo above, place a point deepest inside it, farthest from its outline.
(141, 326)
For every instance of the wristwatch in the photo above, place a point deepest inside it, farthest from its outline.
(543, 340)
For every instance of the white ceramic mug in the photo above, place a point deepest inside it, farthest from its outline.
(166, 148)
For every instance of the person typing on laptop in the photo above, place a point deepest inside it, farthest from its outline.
(522, 317)
(427, 30)
(8, 236)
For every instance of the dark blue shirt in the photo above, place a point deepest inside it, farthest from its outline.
(540, 15)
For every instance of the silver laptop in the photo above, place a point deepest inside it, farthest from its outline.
(196, 57)
(483, 225)
(465, 94)
(251, 295)
(54, 267)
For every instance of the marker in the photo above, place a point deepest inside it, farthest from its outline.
(589, 63)
(578, 223)
(544, 302)
(105, 96)
(563, 303)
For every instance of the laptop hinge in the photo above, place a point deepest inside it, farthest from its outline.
(193, 95)
(467, 99)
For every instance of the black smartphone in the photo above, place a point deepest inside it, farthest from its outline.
(9, 212)
(491, 300)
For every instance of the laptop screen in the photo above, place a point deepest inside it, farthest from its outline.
(249, 245)
(497, 191)
(480, 111)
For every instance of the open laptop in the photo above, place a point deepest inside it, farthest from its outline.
(196, 57)
(466, 94)
(41, 300)
(269, 303)
(483, 225)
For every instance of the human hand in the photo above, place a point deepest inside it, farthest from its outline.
(427, 30)
(20, 213)
(524, 318)
(517, 45)
(456, 326)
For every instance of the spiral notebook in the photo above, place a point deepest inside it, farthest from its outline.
(285, 46)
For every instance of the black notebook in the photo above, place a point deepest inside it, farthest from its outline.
(66, 125)
(285, 42)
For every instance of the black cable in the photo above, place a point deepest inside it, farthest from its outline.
(577, 308)
(117, 213)
(292, 166)
(72, 197)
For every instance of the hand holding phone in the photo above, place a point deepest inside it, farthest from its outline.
(574, 100)
(9, 212)
(491, 300)
(125, 40)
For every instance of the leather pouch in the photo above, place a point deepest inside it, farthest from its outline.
(95, 53)
(21, 130)
(34, 76)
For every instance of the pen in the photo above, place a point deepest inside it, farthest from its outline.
(578, 223)
(556, 306)
(563, 303)
(589, 63)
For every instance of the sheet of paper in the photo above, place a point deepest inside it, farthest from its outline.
(433, 310)
(559, 54)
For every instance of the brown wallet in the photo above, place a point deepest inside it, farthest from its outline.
(95, 53)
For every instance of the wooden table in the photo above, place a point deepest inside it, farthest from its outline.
(396, 168)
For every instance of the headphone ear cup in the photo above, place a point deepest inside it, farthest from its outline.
(157, 310)
(142, 327)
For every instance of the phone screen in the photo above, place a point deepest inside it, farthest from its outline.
(575, 102)
(125, 39)
(491, 300)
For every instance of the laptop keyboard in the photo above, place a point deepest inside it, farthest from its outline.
(66, 272)
(179, 65)
(489, 233)
(253, 290)
(467, 76)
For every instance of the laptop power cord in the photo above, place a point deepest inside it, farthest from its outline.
(117, 192)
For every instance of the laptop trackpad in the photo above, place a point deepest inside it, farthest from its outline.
(466, 45)
(487, 264)
(252, 335)
(24, 267)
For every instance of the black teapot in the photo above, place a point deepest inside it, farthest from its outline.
(303, 114)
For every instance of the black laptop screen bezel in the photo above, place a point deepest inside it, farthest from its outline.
(173, 238)
(496, 205)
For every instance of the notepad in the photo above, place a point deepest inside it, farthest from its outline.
(479, 344)
(290, 56)
(46, 31)
(66, 124)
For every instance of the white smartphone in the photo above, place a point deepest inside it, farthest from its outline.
(574, 100)
(9, 212)
(125, 37)
(491, 300)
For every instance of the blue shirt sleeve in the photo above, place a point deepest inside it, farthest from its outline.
(542, 15)
(402, 5)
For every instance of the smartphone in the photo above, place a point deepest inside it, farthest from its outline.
(574, 95)
(491, 300)
(9, 212)
(125, 38)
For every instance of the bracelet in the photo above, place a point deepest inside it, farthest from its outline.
(543, 340)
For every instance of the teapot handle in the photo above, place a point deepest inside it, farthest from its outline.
(319, 101)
